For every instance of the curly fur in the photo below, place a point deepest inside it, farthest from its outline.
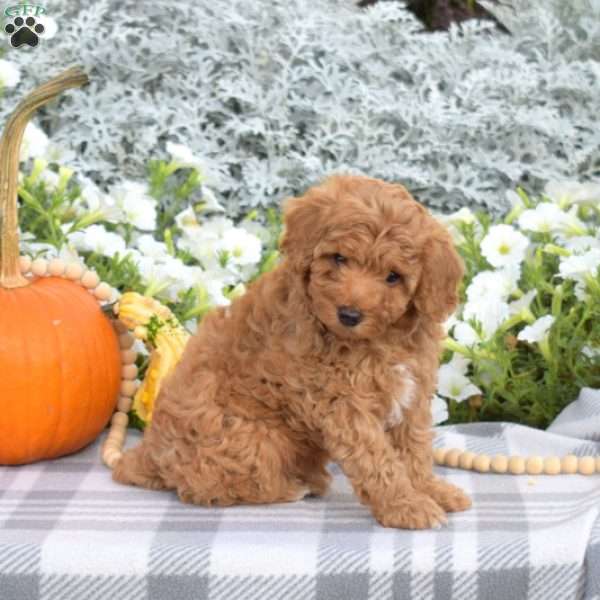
(273, 387)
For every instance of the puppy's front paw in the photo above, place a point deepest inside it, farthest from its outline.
(417, 512)
(447, 495)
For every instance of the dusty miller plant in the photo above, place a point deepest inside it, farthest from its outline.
(274, 95)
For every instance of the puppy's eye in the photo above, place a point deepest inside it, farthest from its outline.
(393, 278)
(338, 259)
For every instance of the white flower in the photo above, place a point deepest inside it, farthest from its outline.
(504, 246)
(566, 193)
(439, 410)
(465, 334)
(590, 352)
(187, 219)
(240, 246)
(184, 157)
(460, 363)
(9, 74)
(94, 200)
(148, 246)
(210, 202)
(544, 218)
(522, 303)
(577, 266)
(96, 239)
(453, 384)
(537, 331)
(580, 244)
(495, 284)
(138, 207)
(34, 144)
(490, 315)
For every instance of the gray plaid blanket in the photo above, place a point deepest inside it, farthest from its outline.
(69, 533)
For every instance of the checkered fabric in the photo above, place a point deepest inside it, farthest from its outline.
(67, 532)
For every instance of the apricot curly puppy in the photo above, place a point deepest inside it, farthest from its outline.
(332, 356)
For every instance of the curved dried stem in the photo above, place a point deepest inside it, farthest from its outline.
(10, 147)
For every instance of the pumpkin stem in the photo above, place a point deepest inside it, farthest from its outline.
(10, 148)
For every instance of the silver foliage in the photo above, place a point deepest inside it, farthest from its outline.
(275, 94)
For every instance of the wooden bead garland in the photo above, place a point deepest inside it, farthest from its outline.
(112, 448)
(516, 465)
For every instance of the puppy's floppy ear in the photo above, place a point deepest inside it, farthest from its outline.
(443, 270)
(304, 219)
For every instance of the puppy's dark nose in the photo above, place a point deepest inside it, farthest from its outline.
(349, 316)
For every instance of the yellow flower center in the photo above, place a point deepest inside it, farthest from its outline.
(504, 249)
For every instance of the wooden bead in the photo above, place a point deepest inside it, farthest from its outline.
(569, 464)
(57, 267)
(128, 387)
(552, 465)
(516, 465)
(126, 341)
(128, 357)
(587, 465)
(111, 458)
(129, 372)
(24, 263)
(39, 267)
(465, 460)
(119, 326)
(90, 279)
(74, 271)
(116, 438)
(534, 465)
(124, 404)
(451, 458)
(103, 291)
(499, 463)
(481, 463)
(438, 455)
(120, 418)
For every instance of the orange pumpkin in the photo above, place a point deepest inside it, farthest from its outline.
(60, 362)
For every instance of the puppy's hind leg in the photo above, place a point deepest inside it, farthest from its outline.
(136, 468)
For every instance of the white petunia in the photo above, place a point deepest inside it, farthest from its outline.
(138, 207)
(489, 314)
(522, 303)
(580, 244)
(240, 246)
(9, 74)
(577, 266)
(96, 201)
(460, 363)
(453, 384)
(148, 246)
(439, 410)
(465, 334)
(184, 157)
(494, 284)
(35, 143)
(210, 202)
(187, 219)
(565, 193)
(544, 218)
(537, 331)
(591, 352)
(504, 246)
(97, 239)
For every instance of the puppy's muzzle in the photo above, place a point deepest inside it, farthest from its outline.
(348, 316)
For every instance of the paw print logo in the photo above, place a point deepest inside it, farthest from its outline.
(24, 31)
